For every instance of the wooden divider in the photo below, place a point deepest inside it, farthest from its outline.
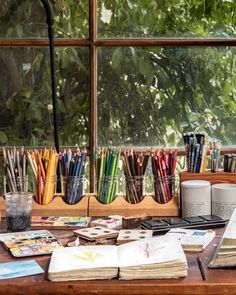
(121, 207)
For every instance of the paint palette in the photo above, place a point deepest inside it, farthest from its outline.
(30, 243)
(96, 232)
(126, 236)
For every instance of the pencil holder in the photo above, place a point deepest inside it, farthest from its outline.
(107, 189)
(45, 189)
(134, 189)
(15, 184)
(73, 187)
(164, 189)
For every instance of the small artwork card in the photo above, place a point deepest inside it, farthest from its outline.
(126, 236)
(69, 222)
(30, 243)
(96, 232)
(9, 270)
(113, 221)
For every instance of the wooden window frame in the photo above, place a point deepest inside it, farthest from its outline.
(93, 43)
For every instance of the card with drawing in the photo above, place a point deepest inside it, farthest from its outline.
(54, 222)
(9, 270)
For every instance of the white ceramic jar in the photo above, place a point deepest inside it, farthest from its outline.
(223, 199)
(195, 198)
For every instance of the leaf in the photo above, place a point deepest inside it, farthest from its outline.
(3, 137)
(19, 30)
(146, 69)
(116, 58)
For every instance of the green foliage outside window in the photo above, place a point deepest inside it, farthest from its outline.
(146, 95)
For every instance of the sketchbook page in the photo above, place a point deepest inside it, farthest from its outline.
(17, 269)
(149, 251)
(83, 257)
(192, 238)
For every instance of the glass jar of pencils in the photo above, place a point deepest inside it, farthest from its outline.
(73, 189)
(45, 189)
(107, 188)
(164, 188)
(134, 189)
(15, 184)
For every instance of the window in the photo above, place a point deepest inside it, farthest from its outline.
(128, 73)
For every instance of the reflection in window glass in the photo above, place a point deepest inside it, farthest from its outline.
(169, 18)
(150, 96)
(25, 93)
(27, 19)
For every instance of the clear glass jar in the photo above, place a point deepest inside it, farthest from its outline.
(18, 211)
(73, 187)
(45, 189)
(164, 189)
(107, 189)
(134, 189)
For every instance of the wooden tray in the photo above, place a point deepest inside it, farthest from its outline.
(121, 207)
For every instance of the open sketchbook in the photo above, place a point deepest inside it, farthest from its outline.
(158, 257)
(194, 240)
(225, 255)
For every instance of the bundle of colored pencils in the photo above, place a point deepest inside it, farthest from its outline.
(44, 167)
(215, 156)
(73, 169)
(106, 161)
(15, 170)
(195, 149)
(134, 165)
(163, 169)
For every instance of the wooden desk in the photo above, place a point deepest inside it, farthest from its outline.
(218, 281)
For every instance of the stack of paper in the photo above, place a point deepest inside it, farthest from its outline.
(158, 257)
(225, 255)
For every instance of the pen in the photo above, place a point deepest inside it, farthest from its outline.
(200, 265)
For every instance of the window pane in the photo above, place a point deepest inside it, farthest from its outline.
(25, 93)
(169, 18)
(150, 96)
(73, 88)
(26, 18)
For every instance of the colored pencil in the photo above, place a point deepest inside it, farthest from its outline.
(72, 167)
(163, 169)
(134, 165)
(106, 163)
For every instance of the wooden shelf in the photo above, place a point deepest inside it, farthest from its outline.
(212, 177)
